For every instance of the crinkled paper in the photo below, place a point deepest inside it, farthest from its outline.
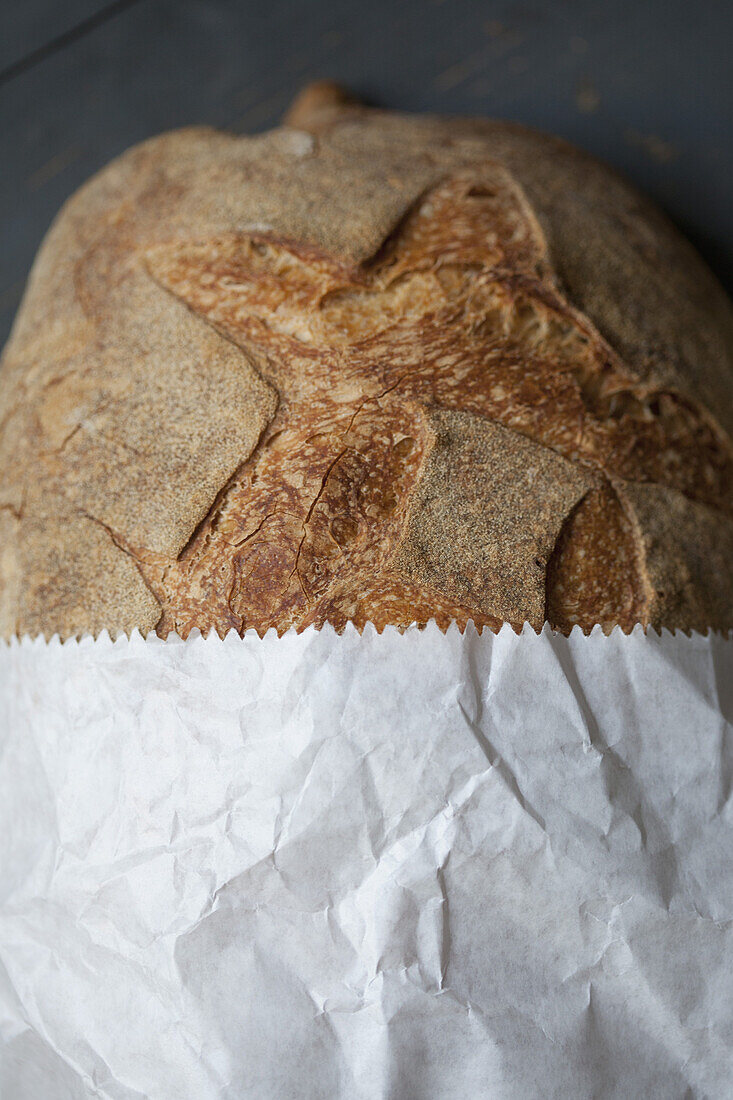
(367, 866)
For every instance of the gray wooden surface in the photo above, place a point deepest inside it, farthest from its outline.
(646, 84)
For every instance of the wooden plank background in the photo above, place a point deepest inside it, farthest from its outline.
(646, 84)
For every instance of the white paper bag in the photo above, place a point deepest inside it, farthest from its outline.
(378, 866)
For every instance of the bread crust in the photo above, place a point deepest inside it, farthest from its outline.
(377, 368)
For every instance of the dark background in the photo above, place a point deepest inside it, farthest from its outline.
(645, 84)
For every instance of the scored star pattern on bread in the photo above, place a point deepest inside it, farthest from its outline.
(449, 315)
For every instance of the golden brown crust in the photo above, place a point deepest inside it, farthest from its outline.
(392, 369)
(319, 98)
(596, 572)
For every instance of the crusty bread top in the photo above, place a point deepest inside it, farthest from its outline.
(377, 368)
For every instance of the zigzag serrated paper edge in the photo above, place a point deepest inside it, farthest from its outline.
(232, 637)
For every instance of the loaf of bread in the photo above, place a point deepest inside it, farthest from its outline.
(366, 367)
